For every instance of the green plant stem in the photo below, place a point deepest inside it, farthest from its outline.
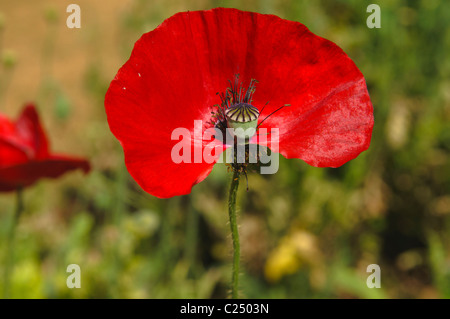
(9, 260)
(234, 235)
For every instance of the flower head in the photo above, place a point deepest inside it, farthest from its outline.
(179, 71)
(24, 153)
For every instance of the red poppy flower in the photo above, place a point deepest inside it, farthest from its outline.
(24, 153)
(175, 72)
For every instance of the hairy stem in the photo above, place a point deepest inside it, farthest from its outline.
(234, 234)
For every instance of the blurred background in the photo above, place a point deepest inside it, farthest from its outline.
(305, 232)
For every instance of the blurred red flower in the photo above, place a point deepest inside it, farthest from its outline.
(25, 155)
(175, 71)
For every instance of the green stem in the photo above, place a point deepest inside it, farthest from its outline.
(234, 234)
(10, 244)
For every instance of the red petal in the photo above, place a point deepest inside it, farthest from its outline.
(161, 178)
(22, 175)
(175, 71)
(11, 153)
(147, 100)
(327, 133)
(6, 126)
(330, 117)
(29, 129)
(11, 150)
(23, 140)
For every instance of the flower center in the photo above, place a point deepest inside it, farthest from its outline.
(237, 113)
(243, 119)
(235, 110)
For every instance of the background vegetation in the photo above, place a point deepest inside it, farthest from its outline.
(305, 232)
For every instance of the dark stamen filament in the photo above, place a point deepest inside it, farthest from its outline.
(260, 112)
(272, 113)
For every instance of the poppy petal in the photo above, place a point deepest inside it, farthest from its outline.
(329, 133)
(12, 148)
(329, 119)
(25, 174)
(22, 140)
(6, 126)
(12, 153)
(147, 101)
(29, 129)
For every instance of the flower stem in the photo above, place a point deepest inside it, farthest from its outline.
(9, 261)
(234, 234)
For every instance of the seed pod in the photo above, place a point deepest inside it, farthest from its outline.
(242, 113)
(241, 117)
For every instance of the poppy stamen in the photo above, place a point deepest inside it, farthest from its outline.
(272, 112)
(236, 106)
(260, 112)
